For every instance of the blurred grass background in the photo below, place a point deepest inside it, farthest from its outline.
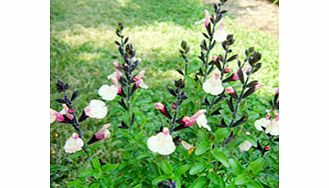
(83, 49)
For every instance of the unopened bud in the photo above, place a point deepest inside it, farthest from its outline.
(257, 86)
(227, 70)
(70, 110)
(267, 148)
(230, 90)
(235, 77)
(214, 58)
(116, 65)
(159, 106)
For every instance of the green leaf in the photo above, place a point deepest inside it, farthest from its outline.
(202, 147)
(220, 156)
(221, 134)
(236, 167)
(181, 170)
(95, 185)
(166, 167)
(254, 184)
(192, 67)
(216, 181)
(86, 173)
(155, 181)
(108, 167)
(257, 165)
(178, 183)
(241, 179)
(97, 173)
(197, 169)
(96, 164)
(200, 182)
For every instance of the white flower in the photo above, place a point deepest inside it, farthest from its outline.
(104, 133)
(161, 143)
(220, 35)
(263, 122)
(73, 144)
(53, 116)
(139, 80)
(202, 122)
(213, 85)
(113, 75)
(186, 145)
(245, 146)
(107, 92)
(273, 128)
(143, 85)
(96, 109)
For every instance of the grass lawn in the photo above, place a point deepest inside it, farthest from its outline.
(83, 49)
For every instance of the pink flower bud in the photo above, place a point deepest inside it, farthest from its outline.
(227, 70)
(165, 131)
(207, 18)
(116, 64)
(173, 106)
(163, 109)
(230, 90)
(59, 117)
(214, 58)
(257, 86)
(69, 116)
(120, 90)
(235, 77)
(138, 82)
(75, 136)
(267, 148)
(277, 91)
(118, 73)
(159, 106)
(70, 110)
(187, 121)
(103, 133)
(268, 116)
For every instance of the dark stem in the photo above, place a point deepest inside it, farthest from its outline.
(207, 54)
(238, 102)
(178, 103)
(76, 124)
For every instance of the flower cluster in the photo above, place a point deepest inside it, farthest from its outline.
(162, 143)
(270, 124)
(95, 109)
(124, 80)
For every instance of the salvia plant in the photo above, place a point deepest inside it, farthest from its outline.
(206, 136)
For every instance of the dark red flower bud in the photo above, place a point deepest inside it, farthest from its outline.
(267, 148)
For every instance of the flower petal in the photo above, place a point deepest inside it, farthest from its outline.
(143, 85)
(245, 146)
(273, 128)
(220, 35)
(96, 109)
(263, 122)
(73, 144)
(52, 116)
(202, 122)
(213, 86)
(107, 92)
(161, 143)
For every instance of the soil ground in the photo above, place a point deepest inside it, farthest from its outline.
(260, 14)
